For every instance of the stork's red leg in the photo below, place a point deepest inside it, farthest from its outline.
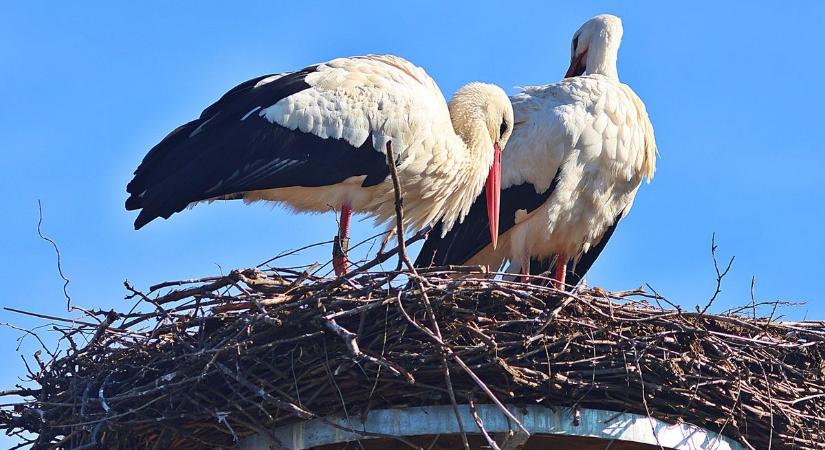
(560, 272)
(340, 246)
(525, 269)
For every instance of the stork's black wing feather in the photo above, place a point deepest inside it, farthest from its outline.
(470, 236)
(230, 150)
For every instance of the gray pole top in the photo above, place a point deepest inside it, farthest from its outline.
(432, 420)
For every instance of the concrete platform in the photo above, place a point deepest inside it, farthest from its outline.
(436, 427)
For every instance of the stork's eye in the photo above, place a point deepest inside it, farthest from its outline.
(503, 128)
(575, 43)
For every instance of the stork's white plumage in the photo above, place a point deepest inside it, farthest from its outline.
(316, 140)
(579, 152)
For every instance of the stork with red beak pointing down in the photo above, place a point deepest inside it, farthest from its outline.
(316, 140)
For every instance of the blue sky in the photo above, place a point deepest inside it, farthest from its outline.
(734, 92)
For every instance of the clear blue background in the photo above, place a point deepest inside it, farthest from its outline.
(735, 92)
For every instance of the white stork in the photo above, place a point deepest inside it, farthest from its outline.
(579, 152)
(316, 140)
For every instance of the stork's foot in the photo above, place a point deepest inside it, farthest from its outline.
(340, 249)
(559, 284)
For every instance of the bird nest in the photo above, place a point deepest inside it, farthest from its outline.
(204, 363)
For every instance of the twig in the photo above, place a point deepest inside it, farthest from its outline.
(57, 253)
(404, 259)
(399, 213)
(644, 398)
(61, 319)
(480, 424)
(720, 275)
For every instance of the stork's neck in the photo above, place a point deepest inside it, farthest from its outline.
(602, 55)
(479, 146)
(472, 155)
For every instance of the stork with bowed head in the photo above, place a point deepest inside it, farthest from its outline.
(316, 140)
(579, 152)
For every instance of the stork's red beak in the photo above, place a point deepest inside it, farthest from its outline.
(577, 65)
(493, 188)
